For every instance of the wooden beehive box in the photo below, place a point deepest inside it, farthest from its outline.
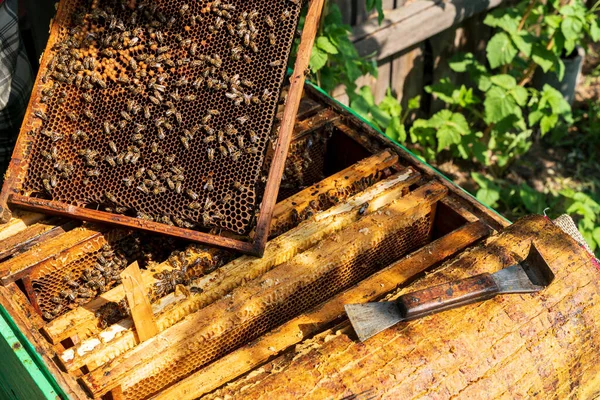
(357, 219)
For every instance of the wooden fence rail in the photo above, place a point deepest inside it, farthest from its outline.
(415, 40)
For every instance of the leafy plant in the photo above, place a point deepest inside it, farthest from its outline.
(588, 209)
(387, 115)
(334, 59)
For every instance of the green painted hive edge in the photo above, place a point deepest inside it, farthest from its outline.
(29, 357)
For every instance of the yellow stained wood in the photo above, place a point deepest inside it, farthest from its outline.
(82, 321)
(116, 339)
(19, 222)
(513, 346)
(282, 214)
(251, 356)
(45, 252)
(139, 304)
(159, 357)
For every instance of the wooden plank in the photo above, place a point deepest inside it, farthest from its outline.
(83, 322)
(34, 234)
(414, 23)
(251, 356)
(407, 79)
(18, 266)
(14, 301)
(512, 346)
(384, 79)
(192, 335)
(118, 339)
(285, 209)
(139, 304)
(311, 124)
(374, 141)
(311, 24)
(19, 222)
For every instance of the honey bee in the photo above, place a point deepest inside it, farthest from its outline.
(140, 172)
(272, 39)
(209, 186)
(206, 218)
(285, 15)
(178, 118)
(275, 63)
(242, 120)
(142, 188)
(160, 133)
(92, 173)
(253, 47)
(269, 21)
(170, 159)
(227, 198)
(223, 151)
(185, 141)
(87, 97)
(40, 114)
(110, 161)
(189, 97)
(147, 114)
(178, 187)
(252, 150)
(191, 194)
(211, 154)
(154, 100)
(106, 127)
(47, 186)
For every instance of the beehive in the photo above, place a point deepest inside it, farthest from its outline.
(158, 115)
(366, 219)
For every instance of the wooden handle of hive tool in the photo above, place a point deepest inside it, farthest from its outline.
(446, 296)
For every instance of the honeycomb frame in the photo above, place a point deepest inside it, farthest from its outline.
(22, 189)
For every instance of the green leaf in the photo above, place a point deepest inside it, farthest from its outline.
(520, 95)
(543, 57)
(390, 105)
(318, 59)
(381, 117)
(504, 80)
(500, 50)
(366, 93)
(553, 21)
(396, 130)
(582, 209)
(532, 199)
(504, 18)
(548, 122)
(450, 127)
(524, 41)
(571, 27)
(594, 30)
(444, 90)
(325, 44)
(489, 192)
(414, 103)
(334, 16)
(596, 235)
(535, 116)
(461, 62)
(589, 238)
(499, 104)
(378, 4)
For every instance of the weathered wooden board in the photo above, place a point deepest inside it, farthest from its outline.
(253, 355)
(117, 339)
(176, 348)
(513, 346)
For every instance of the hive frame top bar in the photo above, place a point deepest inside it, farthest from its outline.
(255, 244)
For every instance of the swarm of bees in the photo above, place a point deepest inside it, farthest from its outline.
(173, 82)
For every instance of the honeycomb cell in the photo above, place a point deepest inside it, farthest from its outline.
(134, 100)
